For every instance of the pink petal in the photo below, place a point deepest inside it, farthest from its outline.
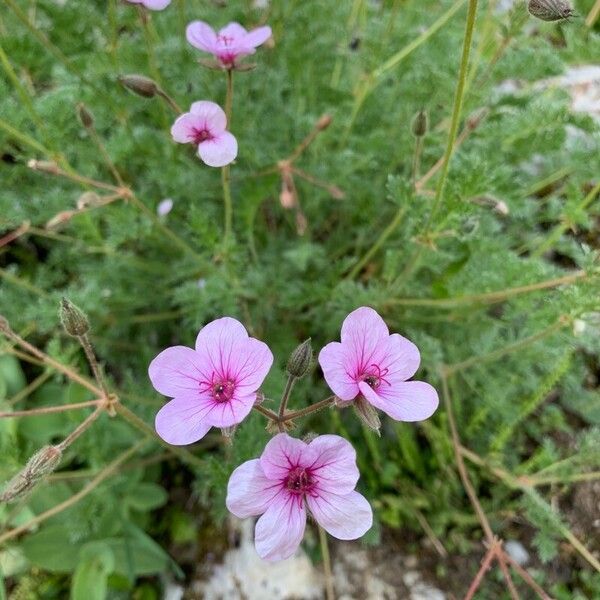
(224, 332)
(250, 365)
(184, 128)
(402, 359)
(408, 401)
(363, 324)
(219, 151)
(335, 466)
(211, 115)
(177, 371)
(180, 421)
(249, 492)
(345, 517)
(333, 361)
(234, 355)
(283, 453)
(231, 412)
(256, 37)
(280, 530)
(156, 4)
(201, 35)
(234, 31)
(365, 341)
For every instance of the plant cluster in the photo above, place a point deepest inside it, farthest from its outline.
(415, 158)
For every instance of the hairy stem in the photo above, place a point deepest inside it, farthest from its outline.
(303, 412)
(81, 428)
(49, 409)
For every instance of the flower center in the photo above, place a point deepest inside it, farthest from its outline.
(298, 481)
(224, 39)
(374, 376)
(201, 135)
(223, 390)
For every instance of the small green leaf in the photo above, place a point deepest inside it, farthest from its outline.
(146, 496)
(90, 577)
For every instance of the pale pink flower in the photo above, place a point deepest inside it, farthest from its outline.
(205, 126)
(164, 207)
(152, 4)
(292, 476)
(213, 385)
(229, 44)
(372, 363)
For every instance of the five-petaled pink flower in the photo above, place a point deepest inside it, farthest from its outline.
(152, 4)
(292, 476)
(205, 126)
(229, 44)
(214, 385)
(372, 363)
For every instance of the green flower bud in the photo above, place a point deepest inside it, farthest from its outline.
(42, 463)
(85, 116)
(140, 85)
(420, 124)
(367, 414)
(300, 360)
(73, 319)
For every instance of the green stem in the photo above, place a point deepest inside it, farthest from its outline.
(303, 412)
(229, 97)
(225, 179)
(326, 564)
(456, 112)
(413, 262)
(285, 397)
(374, 78)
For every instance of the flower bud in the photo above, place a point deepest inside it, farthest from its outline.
(367, 414)
(73, 319)
(85, 116)
(300, 360)
(324, 122)
(46, 166)
(420, 124)
(42, 463)
(140, 85)
(550, 10)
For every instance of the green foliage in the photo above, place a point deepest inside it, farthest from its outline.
(526, 397)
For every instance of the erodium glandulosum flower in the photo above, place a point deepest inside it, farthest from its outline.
(229, 44)
(152, 4)
(370, 363)
(292, 476)
(205, 126)
(213, 385)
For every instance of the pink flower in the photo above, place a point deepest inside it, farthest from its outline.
(214, 385)
(205, 126)
(292, 476)
(372, 363)
(152, 4)
(231, 43)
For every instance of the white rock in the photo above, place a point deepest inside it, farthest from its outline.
(244, 575)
